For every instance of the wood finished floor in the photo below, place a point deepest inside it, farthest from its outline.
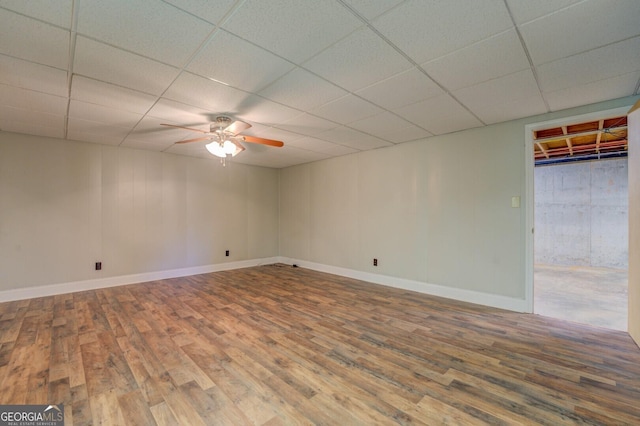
(275, 345)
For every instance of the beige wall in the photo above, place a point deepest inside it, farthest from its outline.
(66, 205)
(436, 211)
(634, 222)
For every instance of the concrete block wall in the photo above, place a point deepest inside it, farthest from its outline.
(581, 214)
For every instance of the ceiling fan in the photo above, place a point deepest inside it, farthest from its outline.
(225, 137)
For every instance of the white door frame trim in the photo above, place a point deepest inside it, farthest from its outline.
(529, 188)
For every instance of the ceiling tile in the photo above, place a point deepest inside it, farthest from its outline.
(92, 131)
(527, 10)
(105, 94)
(203, 8)
(581, 27)
(407, 134)
(204, 93)
(150, 28)
(258, 110)
(267, 132)
(597, 91)
(316, 90)
(352, 138)
(428, 30)
(296, 153)
(512, 109)
(390, 127)
(113, 65)
(506, 98)
(490, 58)
(173, 112)
(296, 30)
(57, 12)
(591, 66)
(370, 9)
(347, 109)
(149, 145)
(283, 157)
(307, 124)
(326, 77)
(518, 85)
(151, 132)
(322, 146)
(32, 101)
(33, 40)
(29, 128)
(103, 115)
(402, 89)
(358, 60)
(28, 75)
(29, 122)
(233, 61)
(439, 115)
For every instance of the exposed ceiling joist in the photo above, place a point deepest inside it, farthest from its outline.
(570, 136)
(582, 140)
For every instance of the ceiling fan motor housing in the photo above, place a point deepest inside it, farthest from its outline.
(221, 122)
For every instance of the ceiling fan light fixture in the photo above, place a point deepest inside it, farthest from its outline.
(224, 137)
(216, 149)
(229, 147)
(223, 149)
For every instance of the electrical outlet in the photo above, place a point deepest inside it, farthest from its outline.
(98, 266)
(226, 253)
(375, 262)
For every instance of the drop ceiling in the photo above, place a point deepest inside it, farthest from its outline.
(328, 78)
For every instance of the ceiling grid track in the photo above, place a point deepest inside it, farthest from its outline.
(410, 60)
(328, 78)
(72, 53)
(528, 55)
(207, 40)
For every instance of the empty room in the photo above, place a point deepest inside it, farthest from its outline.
(274, 212)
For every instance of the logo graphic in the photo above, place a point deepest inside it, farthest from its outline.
(31, 415)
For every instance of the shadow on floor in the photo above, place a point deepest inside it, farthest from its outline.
(593, 296)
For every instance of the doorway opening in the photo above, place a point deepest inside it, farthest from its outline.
(580, 270)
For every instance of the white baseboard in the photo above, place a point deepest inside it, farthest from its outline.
(493, 300)
(71, 287)
(486, 299)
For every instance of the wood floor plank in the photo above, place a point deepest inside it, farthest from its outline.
(80, 410)
(276, 345)
(14, 385)
(135, 409)
(105, 409)
(162, 415)
(180, 404)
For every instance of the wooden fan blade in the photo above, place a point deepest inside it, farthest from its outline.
(263, 141)
(239, 145)
(195, 139)
(186, 128)
(236, 127)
